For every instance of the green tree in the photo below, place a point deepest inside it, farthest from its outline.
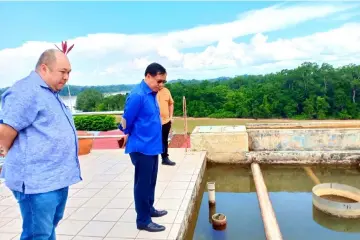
(112, 103)
(88, 100)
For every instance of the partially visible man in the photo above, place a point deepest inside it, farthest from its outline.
(142, 125)
(166, 104)
(39, 136)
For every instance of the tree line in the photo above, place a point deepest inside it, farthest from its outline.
(76, 90)
(91, 100)
(310, 91)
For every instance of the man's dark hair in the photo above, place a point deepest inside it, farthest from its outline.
(154, 69)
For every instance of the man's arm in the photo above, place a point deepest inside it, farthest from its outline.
(132, 107)
(171, 106)
(19, 110)
(171, 110)
(7, 137)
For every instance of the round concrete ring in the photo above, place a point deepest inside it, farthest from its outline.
(339, 209)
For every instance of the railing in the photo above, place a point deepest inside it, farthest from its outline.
(97, 137)
(98, 113)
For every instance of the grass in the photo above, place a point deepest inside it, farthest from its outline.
(178, 125)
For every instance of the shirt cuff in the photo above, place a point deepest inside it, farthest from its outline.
(122, 129)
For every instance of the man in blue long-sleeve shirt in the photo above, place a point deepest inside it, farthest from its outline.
(141, 124)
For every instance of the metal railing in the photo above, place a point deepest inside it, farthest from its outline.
(99, 137)
(98, 113)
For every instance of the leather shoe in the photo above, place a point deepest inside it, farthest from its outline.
(152, 227)
(159, 213)
(166, 161)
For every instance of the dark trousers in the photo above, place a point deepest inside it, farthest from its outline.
(146, 170)
(165, 135)
(41, 213)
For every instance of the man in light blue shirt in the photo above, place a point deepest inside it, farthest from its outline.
(142, 125)
(39, 136)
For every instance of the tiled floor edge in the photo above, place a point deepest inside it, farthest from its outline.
(191, 205)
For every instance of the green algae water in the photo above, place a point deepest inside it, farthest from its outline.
(290, 193)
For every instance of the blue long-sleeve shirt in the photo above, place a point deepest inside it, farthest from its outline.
(143, 123)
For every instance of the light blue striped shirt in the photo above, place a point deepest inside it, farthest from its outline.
(44, 155)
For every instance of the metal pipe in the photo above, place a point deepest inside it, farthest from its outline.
(93, 137)
(98, 113)
(271, 227)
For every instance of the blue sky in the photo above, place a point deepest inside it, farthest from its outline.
(115, 40)
(18, 20)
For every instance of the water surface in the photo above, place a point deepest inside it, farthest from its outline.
(290, 192)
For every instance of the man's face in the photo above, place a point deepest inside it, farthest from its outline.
(58, 73)
(156, 83)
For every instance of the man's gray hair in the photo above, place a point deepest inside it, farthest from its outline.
(48, 58)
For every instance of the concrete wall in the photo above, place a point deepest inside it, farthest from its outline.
(303, 139)
(279, 143)
(222, 143)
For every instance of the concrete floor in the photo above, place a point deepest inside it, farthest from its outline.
(102, 206)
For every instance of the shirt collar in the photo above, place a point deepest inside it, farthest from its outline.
(145, 87)
(40, 81)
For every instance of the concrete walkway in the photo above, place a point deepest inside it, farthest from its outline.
(102, 206)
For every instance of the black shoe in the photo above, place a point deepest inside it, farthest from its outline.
(166, 161)
(159, 213)
(152, 227)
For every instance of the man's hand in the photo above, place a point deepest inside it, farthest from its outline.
(7, 137)
(171, 119)
(2, 151)
(122, 142)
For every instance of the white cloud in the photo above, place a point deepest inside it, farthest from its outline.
(99, 59)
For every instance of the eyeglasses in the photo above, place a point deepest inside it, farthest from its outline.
(161, 81)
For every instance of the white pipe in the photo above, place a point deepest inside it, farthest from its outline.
(271, 226)
(211, 191)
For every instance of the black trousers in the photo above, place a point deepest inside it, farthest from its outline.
(146, 170)
(165, 135)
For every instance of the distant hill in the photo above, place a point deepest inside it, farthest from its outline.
(195, 80)
(75, 90)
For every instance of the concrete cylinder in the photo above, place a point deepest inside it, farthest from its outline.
(334, 207)
(211, 192)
